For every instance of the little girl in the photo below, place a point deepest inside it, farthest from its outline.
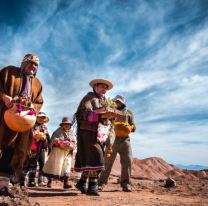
(37, 152)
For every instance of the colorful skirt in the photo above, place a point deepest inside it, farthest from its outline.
(58, 164)
(90, 152)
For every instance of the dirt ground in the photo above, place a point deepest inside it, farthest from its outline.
(144, 193)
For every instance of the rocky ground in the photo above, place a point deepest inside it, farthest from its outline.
(145, 192)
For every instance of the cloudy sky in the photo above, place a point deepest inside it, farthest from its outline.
(154, 52)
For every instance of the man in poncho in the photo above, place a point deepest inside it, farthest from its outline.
(123, 147)
(17, 82)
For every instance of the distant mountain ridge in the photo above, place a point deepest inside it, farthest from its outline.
(192, 167)
(155, 168)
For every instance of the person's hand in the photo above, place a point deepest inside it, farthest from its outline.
(32, 106)
(56, 141)
(8, 101)
(108, 116)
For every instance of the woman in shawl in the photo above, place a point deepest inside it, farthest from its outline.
(90, 150)
(58, 165)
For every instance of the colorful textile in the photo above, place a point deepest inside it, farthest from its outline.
(92, 117)
(40, 128)
(103, 132)
(37, 145)
(26, 86)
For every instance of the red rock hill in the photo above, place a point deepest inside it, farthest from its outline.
(155, 168)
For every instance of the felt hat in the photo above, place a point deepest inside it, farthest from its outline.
(101, 81)
(65, 120)
(120, 98)
(42, 114)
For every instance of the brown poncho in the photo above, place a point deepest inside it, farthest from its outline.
(10, 84)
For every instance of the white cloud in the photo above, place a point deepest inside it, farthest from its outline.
(161, 81)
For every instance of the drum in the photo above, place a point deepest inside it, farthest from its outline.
(19, 122)
(122, 130)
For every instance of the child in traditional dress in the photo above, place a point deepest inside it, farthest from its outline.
(39, 146)
(58, 165)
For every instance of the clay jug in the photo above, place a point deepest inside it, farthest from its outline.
(19, 122)
(122, 130)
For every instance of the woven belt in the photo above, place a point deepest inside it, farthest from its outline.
(88, 125)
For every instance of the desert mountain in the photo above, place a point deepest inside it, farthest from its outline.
(155, 168)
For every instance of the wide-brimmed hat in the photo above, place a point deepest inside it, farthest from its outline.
(120, 98)
(42, 114)
(101, 81)
(65, 120)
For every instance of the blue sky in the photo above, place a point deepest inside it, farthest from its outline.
(154, 52)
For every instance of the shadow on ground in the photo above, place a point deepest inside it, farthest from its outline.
(46, 194)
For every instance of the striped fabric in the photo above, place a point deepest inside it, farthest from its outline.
(87, 129)
(88, 168)
(92, 117)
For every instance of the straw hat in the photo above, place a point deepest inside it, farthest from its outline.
(65, 120)
(120, 98)
(101, 81)
(42, 114)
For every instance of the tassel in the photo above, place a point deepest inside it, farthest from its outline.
(31, 113)
(19, 108)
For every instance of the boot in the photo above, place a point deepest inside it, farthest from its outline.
(49, 184)
(92, 187)
(4, 191)
(66, 183)
(81, 185)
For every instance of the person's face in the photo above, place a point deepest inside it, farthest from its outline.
(40, 120)
(66, 126)
(101, 89)
(119, 104)
(31, 68)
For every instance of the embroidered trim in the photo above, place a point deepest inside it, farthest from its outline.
(89, 168)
